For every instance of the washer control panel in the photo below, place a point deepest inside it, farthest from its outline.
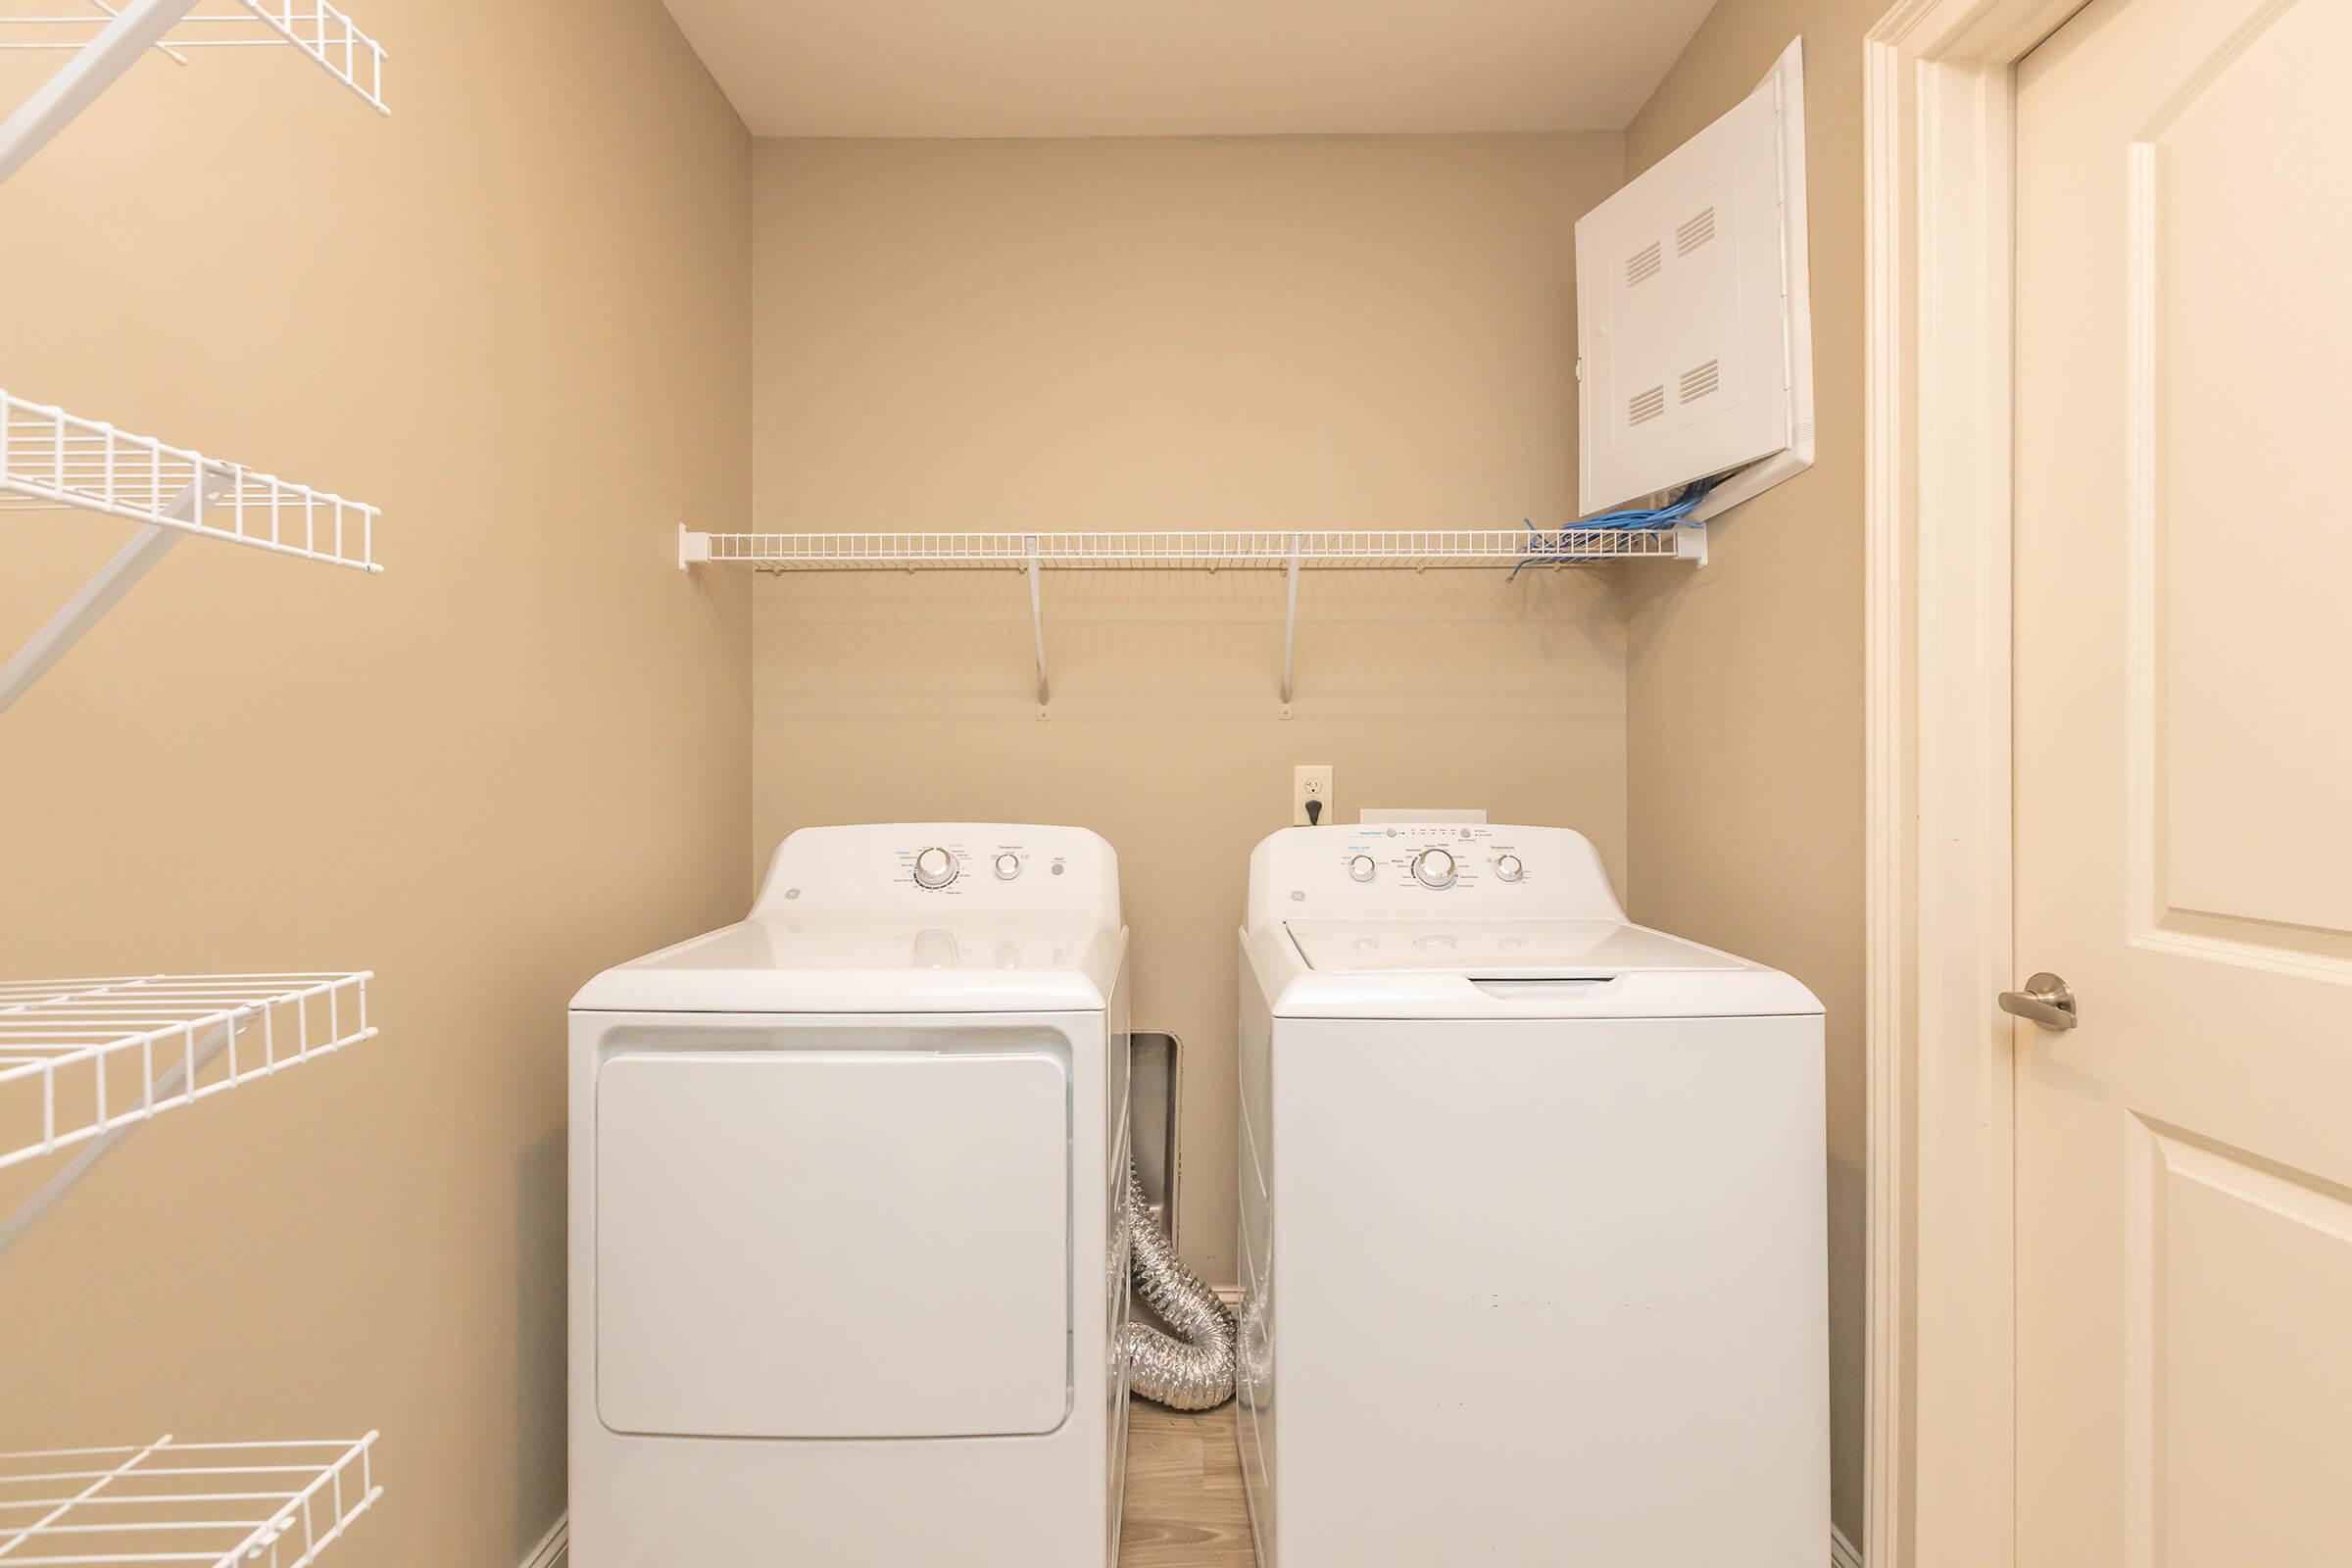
(1438, 857)
(1433, 867)
(1409, 869)
(939, 867)
(931, 866)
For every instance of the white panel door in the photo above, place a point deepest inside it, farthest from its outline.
(833, 1243)
(2184, 778)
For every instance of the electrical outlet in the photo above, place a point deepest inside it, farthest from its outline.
(1310, 781)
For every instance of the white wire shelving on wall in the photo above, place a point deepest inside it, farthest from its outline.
(79, 1058)
(106, 36)
(86, 1063)
(1290, 551)
(54, 461)
(198, 1504)
(1371, 549)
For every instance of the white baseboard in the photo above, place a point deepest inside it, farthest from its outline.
(555, 1547)
(1230, 1295)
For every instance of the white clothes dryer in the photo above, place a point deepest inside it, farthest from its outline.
(847, 1262)
(1532, 1218)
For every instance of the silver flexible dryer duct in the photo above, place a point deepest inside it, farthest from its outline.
(1190, 1372)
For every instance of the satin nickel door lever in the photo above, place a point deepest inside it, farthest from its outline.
(2047, 1001)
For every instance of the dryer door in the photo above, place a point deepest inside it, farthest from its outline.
(835, 1233)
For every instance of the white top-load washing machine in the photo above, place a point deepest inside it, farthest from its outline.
(1531, 1218)
(847, 1268)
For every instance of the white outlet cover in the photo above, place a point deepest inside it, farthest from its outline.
(1304, 779)
(1693, 319)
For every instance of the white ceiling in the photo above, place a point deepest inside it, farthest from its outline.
(1185, 68)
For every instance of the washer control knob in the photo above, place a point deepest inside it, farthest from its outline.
(1433, 869)
(1008, 867)
(1362, 868)
(1508, 868)
(934, 868)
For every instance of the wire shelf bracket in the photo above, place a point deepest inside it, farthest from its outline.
(197, 1505)
(85, 1064)
(53, 461)
(106, 37)
(1286, 550)
(1036, 626)
(1290, 625)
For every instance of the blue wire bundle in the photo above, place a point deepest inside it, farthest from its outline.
(1550, 546)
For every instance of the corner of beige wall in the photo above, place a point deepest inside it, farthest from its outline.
(1744, 681)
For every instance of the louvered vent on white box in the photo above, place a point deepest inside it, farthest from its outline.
(1695, 334)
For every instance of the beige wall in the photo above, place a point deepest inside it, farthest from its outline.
(517, 316)
(1745, 681)
(1169, 334)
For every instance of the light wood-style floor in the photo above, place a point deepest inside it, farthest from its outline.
(1185, 1507)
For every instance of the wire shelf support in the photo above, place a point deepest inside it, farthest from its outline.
(107, 36)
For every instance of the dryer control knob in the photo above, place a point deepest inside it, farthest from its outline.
(1508, 868)
(934, 868)
(1008, 867)
(1362, 867)
(1433, 869)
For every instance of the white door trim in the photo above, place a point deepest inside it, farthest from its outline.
(1938, 1427)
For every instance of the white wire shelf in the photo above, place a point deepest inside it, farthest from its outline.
(80, 1059)
(53, 461)
(1289, 550)
(209, 1504)
(106, 35)
(325, 35)
(1415, 549)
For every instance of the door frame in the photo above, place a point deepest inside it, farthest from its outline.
(1941, 1408)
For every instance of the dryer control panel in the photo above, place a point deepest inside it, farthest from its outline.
(1409, 869)
(967, 867)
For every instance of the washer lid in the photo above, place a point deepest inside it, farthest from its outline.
(862, 963)
(1527, 968)
(1562, 949)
